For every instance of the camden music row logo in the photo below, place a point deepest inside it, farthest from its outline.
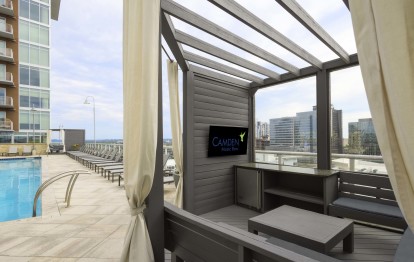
(227, 141)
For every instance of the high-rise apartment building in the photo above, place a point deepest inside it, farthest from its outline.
(262, 130)
(362, 139)
(299, 133)
(25, 69)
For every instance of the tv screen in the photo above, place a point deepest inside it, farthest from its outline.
(226, 141)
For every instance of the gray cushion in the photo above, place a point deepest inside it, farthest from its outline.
(405, 251)
(370, 207)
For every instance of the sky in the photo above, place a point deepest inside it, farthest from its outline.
(87, 61)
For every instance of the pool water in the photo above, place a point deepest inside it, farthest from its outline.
(19, 180)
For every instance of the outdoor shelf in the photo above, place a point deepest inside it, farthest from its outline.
(295, 195)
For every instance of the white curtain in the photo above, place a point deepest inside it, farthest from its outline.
(177, 140)
(140, 80)
(48, 140)
(62, 136)
(384, 33)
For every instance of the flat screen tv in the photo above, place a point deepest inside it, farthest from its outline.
(226, 141)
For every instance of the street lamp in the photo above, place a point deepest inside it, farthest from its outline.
(93, 103)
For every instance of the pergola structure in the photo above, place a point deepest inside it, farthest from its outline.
(225, 96)
(196, 129)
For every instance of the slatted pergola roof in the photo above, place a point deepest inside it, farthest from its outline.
(258, 67)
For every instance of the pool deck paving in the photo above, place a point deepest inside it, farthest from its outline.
(91, 229)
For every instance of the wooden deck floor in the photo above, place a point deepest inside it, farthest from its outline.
(371, 244)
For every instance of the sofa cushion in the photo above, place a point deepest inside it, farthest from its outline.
(369, 206)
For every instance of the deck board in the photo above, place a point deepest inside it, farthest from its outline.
(371, 244)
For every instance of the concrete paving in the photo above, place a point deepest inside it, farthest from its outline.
(91, 229)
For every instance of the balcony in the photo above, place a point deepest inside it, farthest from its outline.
(7, 79)
(6, 30)
(6, 7)
(6, 102)
(6, 55)
(6, 125)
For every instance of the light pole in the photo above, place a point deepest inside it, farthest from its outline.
(93, 103)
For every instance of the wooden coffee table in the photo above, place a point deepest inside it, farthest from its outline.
(305, 228)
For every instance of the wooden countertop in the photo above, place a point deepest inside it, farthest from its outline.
(289, 169)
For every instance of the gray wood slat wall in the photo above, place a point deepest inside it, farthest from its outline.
(222, 104)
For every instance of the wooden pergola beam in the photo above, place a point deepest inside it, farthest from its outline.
(194, 19)
(168, 33)
(218, 76)
(248, 18)
(222, 54)
(307, 21)
(346, 2)
(220, 67)
(332, 65)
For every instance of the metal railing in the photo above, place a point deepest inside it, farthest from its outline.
(280, 158)
(6, 101)
(74, 176)
(6, 124)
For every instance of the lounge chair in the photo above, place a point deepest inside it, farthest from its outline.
(27, 150)
(12, 150)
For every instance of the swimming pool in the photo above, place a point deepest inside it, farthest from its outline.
(19, 180)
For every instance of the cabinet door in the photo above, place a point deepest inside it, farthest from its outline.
(248, 187)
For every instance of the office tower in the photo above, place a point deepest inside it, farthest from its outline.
(362, 139)
(299, 133)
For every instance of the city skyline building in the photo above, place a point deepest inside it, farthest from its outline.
(299, 133)
(25, 76)
(362, 139)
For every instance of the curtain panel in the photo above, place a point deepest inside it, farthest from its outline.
(140, 83)
(177, 140)
(384, 34)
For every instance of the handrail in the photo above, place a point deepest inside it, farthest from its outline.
(74, 175)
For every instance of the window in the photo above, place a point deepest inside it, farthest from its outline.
(24, 119)
(359, 141)
(43, 56)
(45, 120)
(34, 55)
(2, 24)
(286, 123)
(20, 138)
(45, 96)
(24, 8)
(44, 14)
(45, 1)
(34, 76)
(44, 77)
(24, 75)
(24, 53)
(34, 11)
(2, 71)
(43, 35)
(3, 96)
(24, 30)
(24, 97)
(34, 33)
(2, 47)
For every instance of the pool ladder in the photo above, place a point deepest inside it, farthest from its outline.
(73, 174)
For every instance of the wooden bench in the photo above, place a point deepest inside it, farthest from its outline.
(405, 250)
(368, 198)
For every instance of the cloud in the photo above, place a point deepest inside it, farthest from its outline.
(87, 60)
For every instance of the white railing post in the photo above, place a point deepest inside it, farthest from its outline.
(352, 164)
(279, 159)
